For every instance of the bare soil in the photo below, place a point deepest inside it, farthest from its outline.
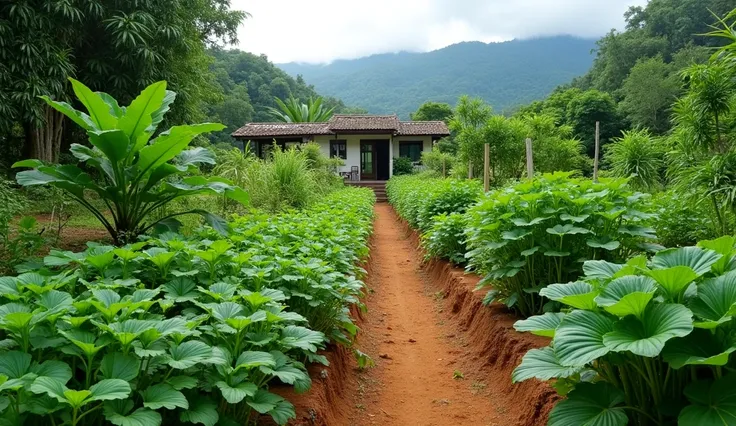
(442, 358)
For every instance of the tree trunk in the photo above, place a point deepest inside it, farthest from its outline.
(44, 143)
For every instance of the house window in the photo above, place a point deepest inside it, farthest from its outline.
(339, 149)
(411, 150)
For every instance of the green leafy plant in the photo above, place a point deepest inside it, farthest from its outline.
(293, 111)
(403, 166)
(445, 239)
(647, 342)
(639, 156)
(137, 174)
(535, 233)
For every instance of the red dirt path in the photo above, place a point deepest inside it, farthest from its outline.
(441, 357)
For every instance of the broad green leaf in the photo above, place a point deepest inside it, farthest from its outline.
(77, 398)
(627, 295)
(263, 401)
(137, 116)
(195, 156)
(236, 394)
(109, 389)
(673, 280)
(700, 347)
(567, 229)
(112, 143)
(541, 325)
(713, 403)
(182, 382)
(293, 336)
(201, 411)
(163, 396)
(603, 243)
(170, 143)
(515, 234)
(715, 303)
(589, 404)
(252, 359)
(139, 417)
(542, 364)
(50, 386)
(188, 354)
(117, 365)
(647, 336)
(524, 223)
(14, 364)
(696, 258)
(579, 338)
(99, 111)
(81, 119)
(55, 369)
(579, 294)
(723, 246)
(283, 412)
(225, 310)
(576, 219)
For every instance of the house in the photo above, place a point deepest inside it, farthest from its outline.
(366, 143)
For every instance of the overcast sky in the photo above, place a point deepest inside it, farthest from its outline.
(318, 31)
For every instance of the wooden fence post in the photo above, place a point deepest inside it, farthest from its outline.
(443, 167)
(470, 169)
(597, 150)
(529, 159)
(487, 168)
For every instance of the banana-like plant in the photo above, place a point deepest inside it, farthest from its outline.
(293, 111)
(642, 343)
(137, 174)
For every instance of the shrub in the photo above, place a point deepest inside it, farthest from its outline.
(136, 175)
(535, 233)
(403, 166)
(682, 221)
(639, 156)
(642, 343)
(437, 161)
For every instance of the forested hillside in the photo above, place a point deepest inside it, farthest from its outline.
(249, 85)
(503, 74)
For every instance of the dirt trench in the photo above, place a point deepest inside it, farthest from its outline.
(442, 358)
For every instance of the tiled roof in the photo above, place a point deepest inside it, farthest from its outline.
(340, 122)
(255, 130)
(421, 128)
(345, 123)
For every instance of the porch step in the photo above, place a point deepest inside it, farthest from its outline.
(378, 187)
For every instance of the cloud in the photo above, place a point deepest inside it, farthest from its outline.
(319, 31)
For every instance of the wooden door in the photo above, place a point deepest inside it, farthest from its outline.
(367, 160)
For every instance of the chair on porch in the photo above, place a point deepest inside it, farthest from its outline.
(355, 173)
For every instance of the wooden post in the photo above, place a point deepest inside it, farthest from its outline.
(597, 150)
(470, 169)
(529, 159)
(486, 168)
(443, 167)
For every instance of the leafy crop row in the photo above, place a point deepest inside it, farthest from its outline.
(175, 330)
(535, 233)
(639, 341)
(435, 207)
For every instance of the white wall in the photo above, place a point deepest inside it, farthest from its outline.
(353, 146)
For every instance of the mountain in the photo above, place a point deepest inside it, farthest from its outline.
(505, 74)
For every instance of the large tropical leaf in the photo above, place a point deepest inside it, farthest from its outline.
(713, 403)
(590, 404)
(164, 395)
(673, 280)
(579, 338)
(701, 347)
(201, 411)
(542, 364)
(188, 354)
(580, 295)
(170, 143)
(237, 393)
(646, 336)
(696, 258)
(138, 115)
(715, 303)
(98, 109)
(541, 325)
(115, 413)
(627, 295)
(109, 389)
